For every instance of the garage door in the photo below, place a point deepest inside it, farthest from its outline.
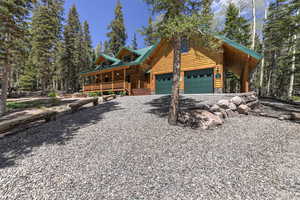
(164, 84)
(199, 81)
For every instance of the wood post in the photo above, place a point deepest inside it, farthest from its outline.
(245, 77)
(101, 83)
(124, 79)
(112, 80)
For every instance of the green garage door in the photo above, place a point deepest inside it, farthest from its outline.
(199, 81)
(164, 84)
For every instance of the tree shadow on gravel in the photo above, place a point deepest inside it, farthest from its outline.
(161, 105)
(21, 143)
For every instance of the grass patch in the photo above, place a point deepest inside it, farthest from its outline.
(296, 98)
(33, 104)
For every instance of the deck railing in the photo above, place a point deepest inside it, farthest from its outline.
(108, 86)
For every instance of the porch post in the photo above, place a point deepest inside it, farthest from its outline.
(112, 82)
(245, 77)
(124, 79)
(101, 83)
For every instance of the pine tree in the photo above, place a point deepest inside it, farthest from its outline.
(117, 33)
(206, 12)
(236, 28)
(72, 52)
(278, 45)
(181, 19)
(13, 14)
(150, 34)
(107, 49)
(98, 50)
(87, 46)
(46, 34)
(134, 44)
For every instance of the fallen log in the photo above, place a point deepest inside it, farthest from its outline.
(13, 123)
(295, 116)
(109, 97)
(75, 106)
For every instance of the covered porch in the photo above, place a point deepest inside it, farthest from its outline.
(113, 80)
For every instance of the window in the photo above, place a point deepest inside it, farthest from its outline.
(127, 58)
(185, 45)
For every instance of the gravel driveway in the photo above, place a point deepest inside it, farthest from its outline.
(124, 149)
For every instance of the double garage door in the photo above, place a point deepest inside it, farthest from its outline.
(195, 82)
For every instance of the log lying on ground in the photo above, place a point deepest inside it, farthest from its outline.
(295, 116)
(75, 106)
(109, 97)
(13, 123)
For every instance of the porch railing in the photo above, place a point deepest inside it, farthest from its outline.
(108, 86)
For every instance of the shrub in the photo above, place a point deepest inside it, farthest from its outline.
(123, 93)
(111, 92)
(52, 94)
(94, 94)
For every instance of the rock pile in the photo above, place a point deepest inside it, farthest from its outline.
(210, 116)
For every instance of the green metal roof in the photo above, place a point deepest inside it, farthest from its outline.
(110, 58)
(239, 47)
(143, 54)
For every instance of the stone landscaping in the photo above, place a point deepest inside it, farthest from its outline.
(210, 116)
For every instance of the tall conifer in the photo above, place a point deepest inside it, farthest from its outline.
(117, 32)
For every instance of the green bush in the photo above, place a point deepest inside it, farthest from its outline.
(111, 92)
(123, 93)
(52, 94)
(94, 94)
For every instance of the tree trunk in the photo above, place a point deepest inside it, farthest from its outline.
(254, 24)
(262, 68)
(292, 77)
(174, 107)
(4, 89)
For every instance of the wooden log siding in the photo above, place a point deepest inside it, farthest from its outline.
(197, 58)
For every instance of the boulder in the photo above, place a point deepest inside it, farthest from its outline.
(215, 108)
(243, 109)
(230, 113)
(253, 104)
(224, 113)
(295, 116)
(207, 119)
(232, 106)
(187, 119)
(237, 100)
(223, 103)
(250, 98)
(219, 114)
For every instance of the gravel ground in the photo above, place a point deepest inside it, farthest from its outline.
(124, 149)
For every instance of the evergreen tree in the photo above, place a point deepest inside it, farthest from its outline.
(236, 28)
(13, 14)
(206, 13)
(278, 35)
(107, 49)
(46, 34)
(134, 44)
(181, 19)
(149, 33)
(98, 50)
(117, 33)
(72, 51)
(87, 46)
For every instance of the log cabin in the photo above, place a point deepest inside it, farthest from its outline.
(149, 70)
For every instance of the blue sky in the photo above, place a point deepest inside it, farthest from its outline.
(99, 13)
